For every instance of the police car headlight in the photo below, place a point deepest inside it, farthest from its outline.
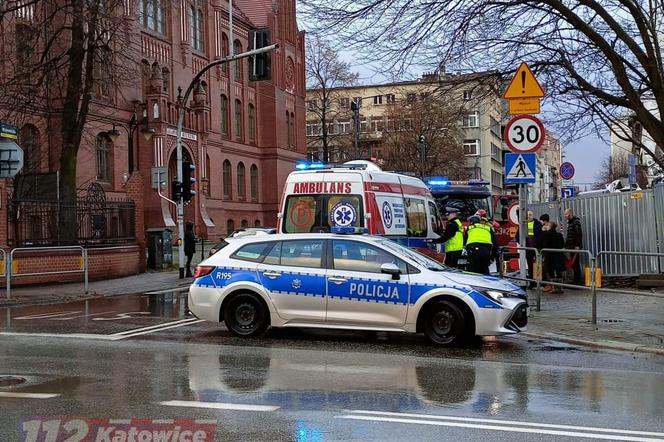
(496, 295)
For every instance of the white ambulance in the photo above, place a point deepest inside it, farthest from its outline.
(359, 197)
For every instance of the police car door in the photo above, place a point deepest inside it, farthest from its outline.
(294, 275)
(357, 292)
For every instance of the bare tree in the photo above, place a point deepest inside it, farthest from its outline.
(427, 123)
(597, 60)
(612, 168)
(325, 73)
(67, 60)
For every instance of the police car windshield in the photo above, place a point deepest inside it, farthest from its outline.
(422, 260)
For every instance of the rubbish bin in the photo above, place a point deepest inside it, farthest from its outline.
(160, 248)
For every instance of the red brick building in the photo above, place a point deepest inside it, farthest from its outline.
(243, 137)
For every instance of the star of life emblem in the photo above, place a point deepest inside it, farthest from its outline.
(296, 284)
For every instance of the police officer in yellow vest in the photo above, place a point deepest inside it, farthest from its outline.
(480, 244)
(452, 237)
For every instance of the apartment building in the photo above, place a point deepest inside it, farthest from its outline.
(480, 116)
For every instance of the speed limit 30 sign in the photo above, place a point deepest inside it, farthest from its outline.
(524, 134)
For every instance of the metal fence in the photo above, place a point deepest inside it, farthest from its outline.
(626, 221)
(39, 223)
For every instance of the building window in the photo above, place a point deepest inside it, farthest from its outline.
(152, 15)
(29, 140)
(471, 147)
(257, 223)
(495, 128)
(468, 94)
(251, 115)
(288, 129)
(292, 129)
(311, 105)
(224, 115)
(471, 119)
(377, 124)
(241, 185)
(313, 129)
(474, 173)
(378, 99)
(196, 29)
(227, 179)
(244, 223)
(496, 179)
(24, 49)
(230, 226)
(344, 126)
(224, 52)
(344, 103)
(238, 120)
(166, 75)
(411, 98)
(253, 177)
(102, 72)
(237, 49)
(390, 98)
(103, 157)
(496, 152)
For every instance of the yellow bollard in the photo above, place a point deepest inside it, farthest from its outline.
(598, 276)
(15, 267)
(81, 263)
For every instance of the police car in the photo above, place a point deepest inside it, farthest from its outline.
(355, 282)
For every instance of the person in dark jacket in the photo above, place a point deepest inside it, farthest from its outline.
(554, 262)
(532, 240)
(189, 245)
(452, 237)
(574, 240)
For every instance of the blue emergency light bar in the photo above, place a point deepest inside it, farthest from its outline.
(305, 165)
(438, 181)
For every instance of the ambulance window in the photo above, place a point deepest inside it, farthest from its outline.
(436, 222)
(416, 215)
(344, 211)
(356, 256)
(302, 213)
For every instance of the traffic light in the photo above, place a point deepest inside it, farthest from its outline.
(260, 65)
(188, 181)
(176, 190)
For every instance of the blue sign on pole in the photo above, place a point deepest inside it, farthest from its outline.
(631, 160)
(520, 168)
(567, 192)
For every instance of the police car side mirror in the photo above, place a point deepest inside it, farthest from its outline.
(391, 269)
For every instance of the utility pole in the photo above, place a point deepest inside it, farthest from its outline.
(355, 107)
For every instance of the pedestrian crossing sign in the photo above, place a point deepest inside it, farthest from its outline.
(520, 168)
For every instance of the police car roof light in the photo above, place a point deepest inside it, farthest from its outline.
(438, 181)
(305, 165)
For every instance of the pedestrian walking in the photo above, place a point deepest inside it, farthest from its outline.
(189, 246)
(532, 240)
(452, 237)
(553, 262)
(574, 240)
(480, 244)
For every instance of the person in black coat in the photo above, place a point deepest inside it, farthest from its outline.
(189, 245)
(554, 262)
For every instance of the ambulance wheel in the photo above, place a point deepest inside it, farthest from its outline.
(444, 324)
(246, 315)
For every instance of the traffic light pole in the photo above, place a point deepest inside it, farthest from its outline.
(183, 104)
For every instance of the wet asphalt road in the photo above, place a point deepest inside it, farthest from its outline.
(132, 357)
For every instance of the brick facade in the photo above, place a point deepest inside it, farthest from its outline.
(266, 140)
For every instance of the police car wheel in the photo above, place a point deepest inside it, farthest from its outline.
(245, 315)
(444, 324)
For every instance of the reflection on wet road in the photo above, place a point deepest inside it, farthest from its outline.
(308, 385)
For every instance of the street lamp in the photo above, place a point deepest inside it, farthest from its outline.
(422, 149)
(146, 131)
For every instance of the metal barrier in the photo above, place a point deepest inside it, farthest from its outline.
(9, 264)
(537, 263)
(631, 292)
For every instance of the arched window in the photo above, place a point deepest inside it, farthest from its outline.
(251, 116)
(146, 71)
(292, 129)
(103, 157)
(238, 120)
(227, 179)
(230, 226)
(288, 129)
(244, 223)
(166, 75)
(30, 141)
(257, 223)
(224, 51)
(241, 181)
(196, 29)
(237, 49)
(152, 15)
(224, 115)
(253, 178)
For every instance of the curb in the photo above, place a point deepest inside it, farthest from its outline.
(612, 345)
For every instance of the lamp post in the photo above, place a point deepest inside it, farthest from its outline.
(422, 149)
(133, 124)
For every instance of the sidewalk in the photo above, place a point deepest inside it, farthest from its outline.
(624, 322)
(58, 293)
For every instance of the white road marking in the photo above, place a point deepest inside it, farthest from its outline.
(150, 327)
(59, 335)
(507, 422)
(125, 315)
(511, 429)
(195, 321)
(9, 394)
(47, 315)
(220, 405)
(82, 316)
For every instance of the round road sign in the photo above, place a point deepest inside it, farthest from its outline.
(524, 134)
(513, 213)
(567, 170)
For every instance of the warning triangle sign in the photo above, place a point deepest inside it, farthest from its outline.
(524, 85)
(520, 169)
